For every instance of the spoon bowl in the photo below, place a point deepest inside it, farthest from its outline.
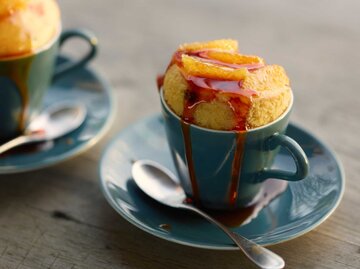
(59, 119)
(55, 121)
(163, 187)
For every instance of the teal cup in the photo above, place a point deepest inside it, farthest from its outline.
(227, 169)
(25, 79)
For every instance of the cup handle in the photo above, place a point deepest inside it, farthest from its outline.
(299, 156)
(71, 66)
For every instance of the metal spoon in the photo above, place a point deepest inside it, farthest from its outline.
(160, 184)
(54, 122)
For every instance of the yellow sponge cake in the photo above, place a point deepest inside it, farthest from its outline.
(212, 85)
(27, 25)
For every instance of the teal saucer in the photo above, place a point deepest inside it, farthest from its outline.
(303, 206)
(86, 86)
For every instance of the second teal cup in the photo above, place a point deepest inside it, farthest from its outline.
(226, 169)
(25, 79)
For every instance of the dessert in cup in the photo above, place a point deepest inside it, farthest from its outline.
(30, 38)
(225, 116)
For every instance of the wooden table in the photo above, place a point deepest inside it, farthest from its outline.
(58, 218)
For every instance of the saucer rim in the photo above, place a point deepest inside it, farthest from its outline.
(68, 155)
(148, 229)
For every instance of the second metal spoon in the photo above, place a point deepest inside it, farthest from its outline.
(54, 122)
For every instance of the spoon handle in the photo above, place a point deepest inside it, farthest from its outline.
(20, 140)
(261, 256)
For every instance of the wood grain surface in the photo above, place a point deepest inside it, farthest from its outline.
(58, 218)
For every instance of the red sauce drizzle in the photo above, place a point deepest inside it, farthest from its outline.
(205, 90)
(236, 168)
(190, 164)
(160, 81)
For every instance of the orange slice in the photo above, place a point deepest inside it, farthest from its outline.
(233, 58)
(221, 44)
(195, 67)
